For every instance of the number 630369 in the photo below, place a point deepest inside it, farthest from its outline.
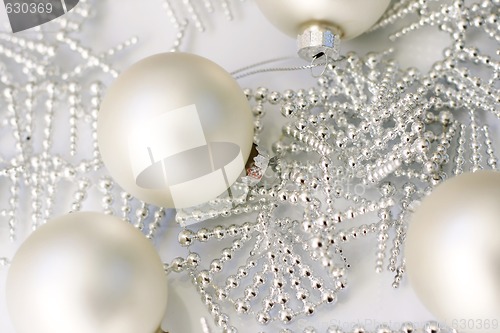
(474, 324)
(28, 8)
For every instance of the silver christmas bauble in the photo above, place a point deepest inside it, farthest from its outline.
(175, 130)
(453, 252)
(350, 17)
(83, 273)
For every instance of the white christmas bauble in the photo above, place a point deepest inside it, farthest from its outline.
(350, 17)
(453, 252)
(175, 130)
(86, 273)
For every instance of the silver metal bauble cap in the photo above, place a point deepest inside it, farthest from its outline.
(318, 40)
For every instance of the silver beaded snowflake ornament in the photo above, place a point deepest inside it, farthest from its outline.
(34, 92)
(364, 145)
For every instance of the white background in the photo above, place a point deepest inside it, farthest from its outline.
(248, 39)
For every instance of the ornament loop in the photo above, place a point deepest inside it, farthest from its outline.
(313, 64)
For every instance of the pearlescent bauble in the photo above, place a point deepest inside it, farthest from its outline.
(453, 252)
(84, 273)
(351, 17)
(175, 130)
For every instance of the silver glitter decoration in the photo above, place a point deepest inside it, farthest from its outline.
(364, 144)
